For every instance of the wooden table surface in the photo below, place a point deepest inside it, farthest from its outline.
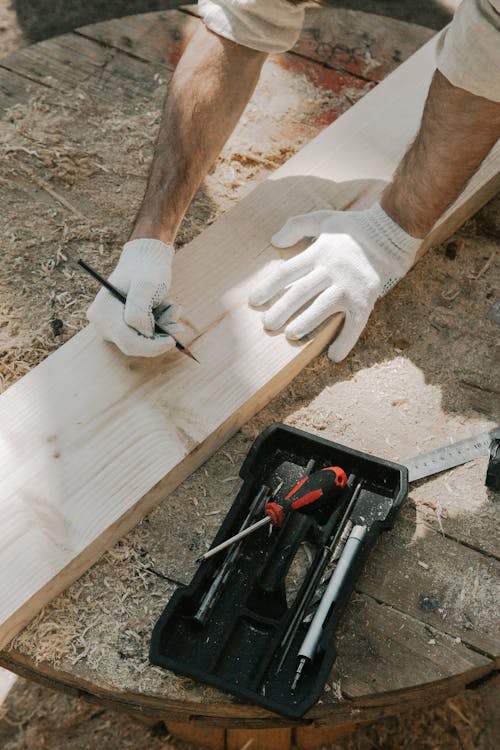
(422, 623)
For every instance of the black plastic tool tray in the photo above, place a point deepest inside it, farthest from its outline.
(238, 648)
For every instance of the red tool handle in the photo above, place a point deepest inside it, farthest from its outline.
(325, 484)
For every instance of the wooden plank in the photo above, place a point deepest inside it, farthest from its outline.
(367, 45)
(215, 739)
(258, 739)
(75, 64)
(80, 465)
(447, 505)
(369, 664)
(438, 581)
(155, 37)
(15, 88)
(309, 738)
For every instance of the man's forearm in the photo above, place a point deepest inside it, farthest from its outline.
(457, 132)
(208, 92)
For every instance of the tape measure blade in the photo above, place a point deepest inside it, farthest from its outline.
(455, 454)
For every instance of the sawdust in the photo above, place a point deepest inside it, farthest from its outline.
(67, 626)
(77, 172)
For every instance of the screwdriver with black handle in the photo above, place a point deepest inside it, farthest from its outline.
(323, 486)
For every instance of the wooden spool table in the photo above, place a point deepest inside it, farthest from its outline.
(79, 112)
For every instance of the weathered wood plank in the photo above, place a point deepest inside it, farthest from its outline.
(15, 88)
(385, 664)
(438, 581)
(364, 44)
(367, 45)
(376, 642)
(75, 64)
(154, 37)
(448, 506)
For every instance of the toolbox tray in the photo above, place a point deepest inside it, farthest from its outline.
(238, 648)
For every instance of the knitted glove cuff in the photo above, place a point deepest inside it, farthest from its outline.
(152, 251)
(396, 243)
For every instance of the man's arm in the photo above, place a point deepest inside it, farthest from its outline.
(457, 132)
(208, 92)
(360, 255)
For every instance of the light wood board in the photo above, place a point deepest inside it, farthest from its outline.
(90, 440)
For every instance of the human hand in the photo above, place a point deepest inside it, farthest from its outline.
(357, 257)
(142, 275)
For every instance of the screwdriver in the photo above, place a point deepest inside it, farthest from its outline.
(328, 551)
(210, 598)
(310, 643)
(121, 298)
(325, 484)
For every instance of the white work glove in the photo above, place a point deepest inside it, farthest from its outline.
(357, 257)
(143, 275)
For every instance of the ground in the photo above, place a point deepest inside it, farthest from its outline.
(34, 717)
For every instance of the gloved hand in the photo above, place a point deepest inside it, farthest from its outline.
(357, 257)
(143, 275)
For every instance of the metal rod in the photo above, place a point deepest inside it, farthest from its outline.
(309, 645)
(241, 534)
(210, 598)
(328, 571)
(263, 522)
(315, 578)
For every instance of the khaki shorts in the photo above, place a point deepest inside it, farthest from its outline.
(468, 51)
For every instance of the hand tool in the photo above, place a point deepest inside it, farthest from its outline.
(255, 625)
(121, 297)
(309, 645)
(420, 466)
(283, 540)
(323, 485)
(237, 537)
(209, 600)
(316, 575)
(328, 571)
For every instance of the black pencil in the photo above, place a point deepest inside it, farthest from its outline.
(121, 297)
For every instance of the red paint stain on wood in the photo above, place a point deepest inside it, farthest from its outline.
(318, 74)
(321, 76)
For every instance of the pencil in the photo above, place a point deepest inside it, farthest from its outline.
(121, 297)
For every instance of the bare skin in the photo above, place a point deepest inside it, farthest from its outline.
(210, 89)
(457, 132)
(211, 86)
